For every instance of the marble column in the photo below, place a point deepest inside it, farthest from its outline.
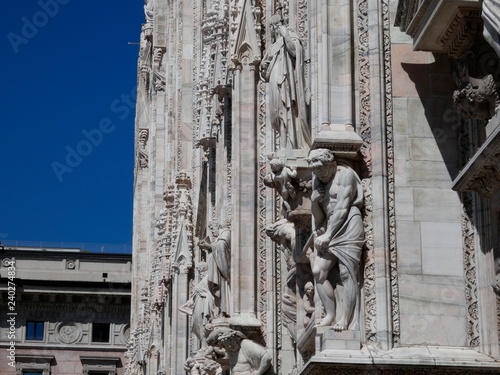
(244, 199)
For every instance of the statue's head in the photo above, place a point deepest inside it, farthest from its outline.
(277, 165)
(322, 163)
(309, 288)
(275, 20)
(202, 268)
(226, 338)
(214, 227)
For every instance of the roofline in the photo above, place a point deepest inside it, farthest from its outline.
(38, 254)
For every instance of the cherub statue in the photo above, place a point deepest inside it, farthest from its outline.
(280, 179)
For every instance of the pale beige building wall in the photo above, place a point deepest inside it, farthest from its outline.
(428, 211)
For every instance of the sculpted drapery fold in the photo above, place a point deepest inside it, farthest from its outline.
(283, 68)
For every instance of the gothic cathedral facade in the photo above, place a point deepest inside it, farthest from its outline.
(317, 188)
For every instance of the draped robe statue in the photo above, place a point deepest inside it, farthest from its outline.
(219, 270)
(282, 68)
(491, 18)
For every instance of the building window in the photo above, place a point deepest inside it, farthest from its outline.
(29, 364)
(93, 365)
(100, 332)
(34, 330)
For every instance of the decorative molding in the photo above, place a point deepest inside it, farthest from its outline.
(101, 364)
(365, 132)
(69, 332)
(389, 128)
(469, 242)
(465, 28)
(407, 14)
(370, 310)
(8, 262)
(439, 25)
(344, 369)
(70, 264)
(482, 172)
(212, 80)
(370, 313)
(35, 362)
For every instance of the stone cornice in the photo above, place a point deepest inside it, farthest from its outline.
(482, 173)
(465, 28)
(111, 348)
(441, 26)
(60, 255)
(406, 360)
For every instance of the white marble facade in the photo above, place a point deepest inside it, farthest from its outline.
(297, 197)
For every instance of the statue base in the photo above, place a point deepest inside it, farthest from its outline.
(245, 321)
(327, 338)
(293, 158)
(339, 138)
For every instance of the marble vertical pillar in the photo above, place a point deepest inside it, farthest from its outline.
(333, 38)
(181, 321)
(380, 183)
(244, 198)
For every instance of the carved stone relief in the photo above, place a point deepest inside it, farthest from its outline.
(159, 77)
(213, 80)
(69, 333)
(8, 262)
(143, 137)
(475, 98)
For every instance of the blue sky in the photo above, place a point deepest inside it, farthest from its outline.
(67, 93)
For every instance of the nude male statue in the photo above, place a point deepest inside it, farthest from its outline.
(336, 200)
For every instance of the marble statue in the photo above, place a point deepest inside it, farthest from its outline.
(280, 179)
(246, 357)
(336, 200)
(201, 303)
(149, 10)
(282, 68)
(491, 18)
(283, 233)
(219, 268)
(308, 300)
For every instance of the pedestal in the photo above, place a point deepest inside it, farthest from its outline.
(327, 338)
